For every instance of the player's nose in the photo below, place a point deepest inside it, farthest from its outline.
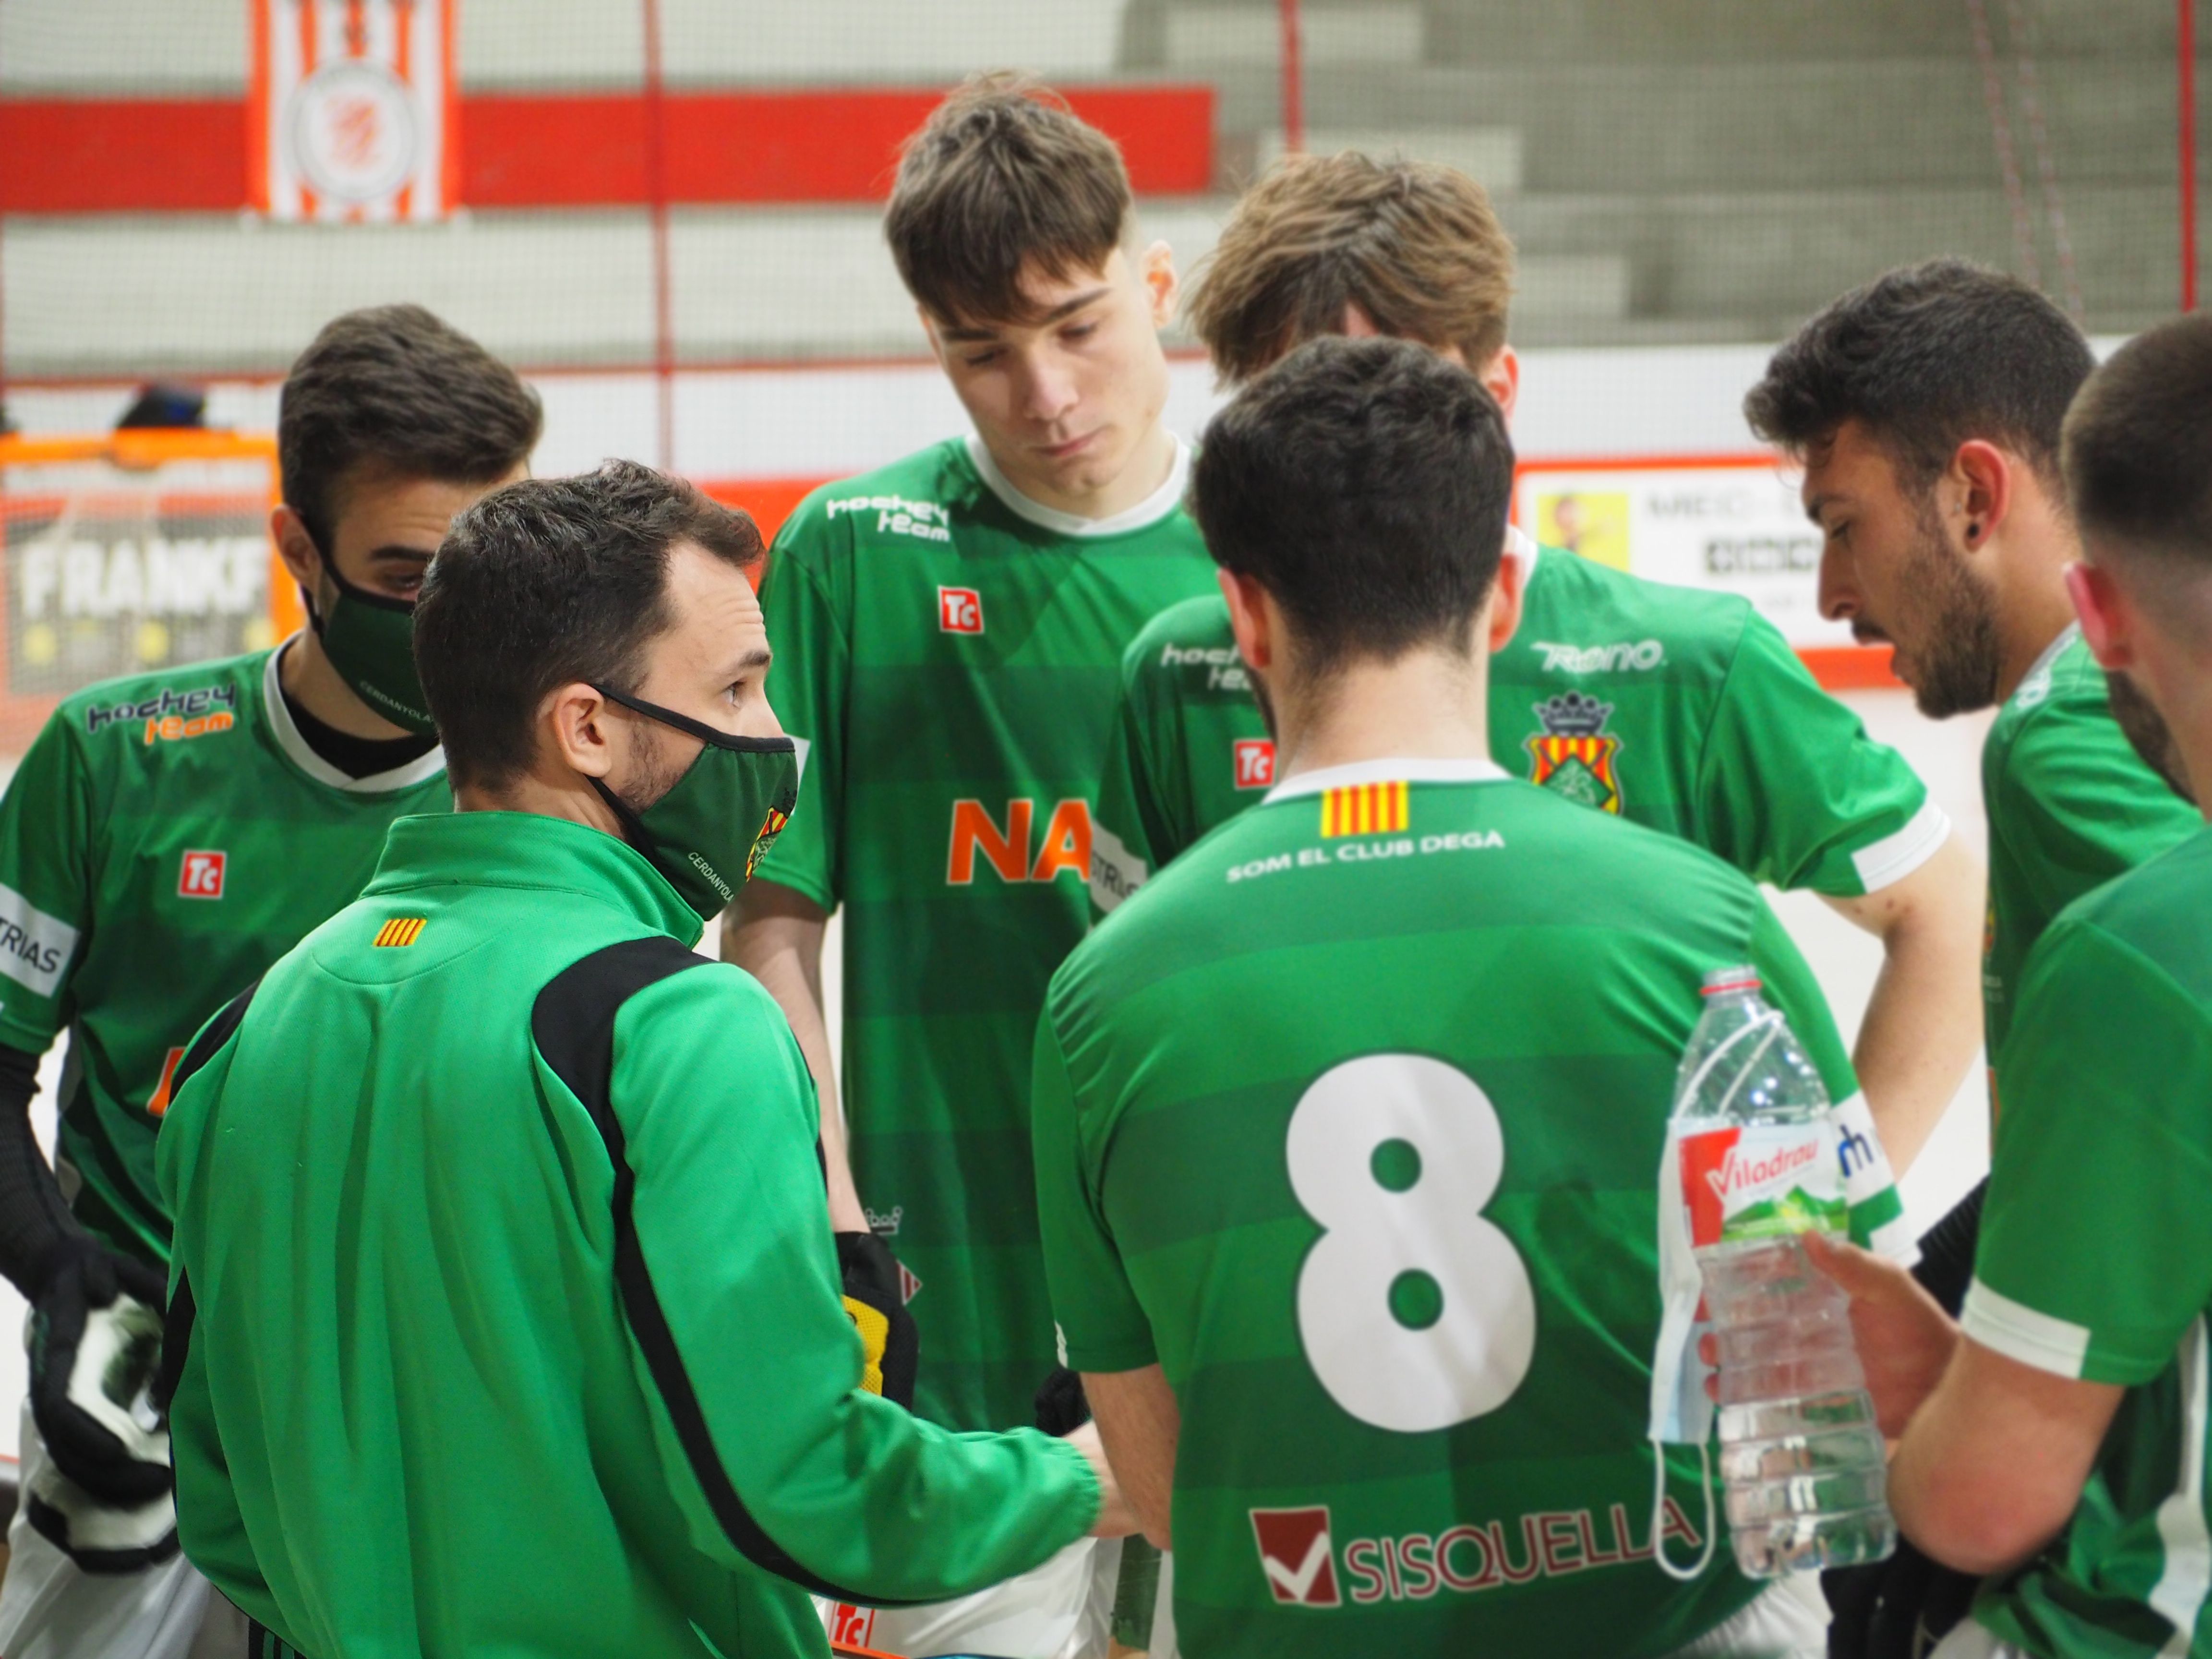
(1839, 596)
(1048, 391)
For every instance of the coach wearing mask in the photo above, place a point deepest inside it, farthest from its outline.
(505, 1313)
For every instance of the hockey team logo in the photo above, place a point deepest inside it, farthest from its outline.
(1573, 756)
(1255, 764)
(1295, 1555)
(959, 610)
(200, 876)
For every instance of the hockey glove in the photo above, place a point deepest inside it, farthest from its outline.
(872, 1303)
(95, 1346)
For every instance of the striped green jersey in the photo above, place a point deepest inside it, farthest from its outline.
(2095, 1259)
(2071, 806)
(946, 654)
(1352, 1122)
(167, 838)
(1672, 707)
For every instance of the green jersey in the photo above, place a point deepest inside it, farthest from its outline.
(511, 1311)
(2071, 806)
(1352, 1122)
(166, 839)
(2095, 1258)
(1676, 708)
(946, 654)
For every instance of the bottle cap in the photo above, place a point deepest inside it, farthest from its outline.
(1719, 982)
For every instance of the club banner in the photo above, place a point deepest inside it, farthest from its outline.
(353, 115)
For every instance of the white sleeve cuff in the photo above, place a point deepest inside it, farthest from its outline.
(1890, 859)
(2017, 1332)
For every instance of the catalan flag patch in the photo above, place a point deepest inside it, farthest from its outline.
(401, 930)
(1363, 809)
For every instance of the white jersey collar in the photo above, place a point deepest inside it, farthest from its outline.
(1520, 544)
(1150, 510)
(421, 769)
(1390, 770)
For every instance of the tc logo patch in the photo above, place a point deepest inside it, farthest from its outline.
(201, 875)
(771, 826)
(1294, 1553)
(959, 610)
(1255, 764)
(400, 930)
(1573, 756)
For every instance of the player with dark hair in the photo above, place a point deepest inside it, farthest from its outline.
(1926, 408)
(165, 840)
(1385, 1389)
(947, 634)
(1681, 710)
(2054, 1438)
(505, 1317)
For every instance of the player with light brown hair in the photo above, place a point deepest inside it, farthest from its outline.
(1683, 710)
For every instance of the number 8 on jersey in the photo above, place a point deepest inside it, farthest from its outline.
(1415, 1312)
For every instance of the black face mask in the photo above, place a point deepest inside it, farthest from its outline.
(709, 832)
(370, 640)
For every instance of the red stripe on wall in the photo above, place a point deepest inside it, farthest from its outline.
(104, 155)
(66, 155)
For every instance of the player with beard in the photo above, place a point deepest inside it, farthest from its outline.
(2053, 1439)
(1927, 408)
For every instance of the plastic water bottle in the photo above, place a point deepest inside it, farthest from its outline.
(1801, 1459)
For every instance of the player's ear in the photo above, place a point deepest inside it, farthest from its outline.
(1983, 480)
(2107, 625)
(1501, 379)
(294, 545)
(1156, 269)
(1505, 603)
(1248, 619)
(573, 722)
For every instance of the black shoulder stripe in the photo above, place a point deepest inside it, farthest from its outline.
(573, 1024)
(212, 1036)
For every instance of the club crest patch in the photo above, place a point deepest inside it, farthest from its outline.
(771, 826)
(1573, 755)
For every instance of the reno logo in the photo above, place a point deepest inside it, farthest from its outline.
(1294, 1553)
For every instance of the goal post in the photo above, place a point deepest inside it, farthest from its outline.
(125, 552)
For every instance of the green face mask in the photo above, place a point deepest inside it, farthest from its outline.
(709, 831)
(370, 640)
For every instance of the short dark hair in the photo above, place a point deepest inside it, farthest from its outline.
(1003, 178)
(393, 389)
(546, 582)
(1365, 485)
(1416, 246)
(1927, 358)
(2138, 446)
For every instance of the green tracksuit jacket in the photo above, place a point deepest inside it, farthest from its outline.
(506, 1315)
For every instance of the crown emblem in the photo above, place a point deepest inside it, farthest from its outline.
(1573, 714)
